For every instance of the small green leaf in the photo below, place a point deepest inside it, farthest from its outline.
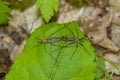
(47, 8)
(100, 68)
(20, 4)
(60, 60)
(4, 13)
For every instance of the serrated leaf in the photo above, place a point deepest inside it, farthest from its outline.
(61, 60)
(4, 13)
(47, 8)
(100, 70)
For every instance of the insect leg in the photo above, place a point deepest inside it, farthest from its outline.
(56, 63)
(83, 39)
(55, 32)
(65, 46)
(85, 48)
(45, 48)
(74, 42)
(69, 30)
(60, 30)
(74, 51)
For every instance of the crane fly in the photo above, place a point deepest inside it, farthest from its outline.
(59, 39)
(69, 41)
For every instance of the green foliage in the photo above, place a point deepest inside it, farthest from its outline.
(47, 8)
(20, 4)
(100, 72)
(62, 60)
(4, 13)
(109, 76)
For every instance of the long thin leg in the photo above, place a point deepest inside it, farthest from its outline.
(66, 46)
(60, 30)
(69, 30)
(55, 32)
(76, 43)
(45, 48)
(59, 59)
(74, 51)
(85, 48)
(56, 64)
(33, 47)
(82, 39)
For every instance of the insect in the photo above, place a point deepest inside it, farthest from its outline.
(69, 40)
(59, 44)
(61, 39)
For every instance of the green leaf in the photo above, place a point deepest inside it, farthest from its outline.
(100, 71)
(4, 13)
(20, 4)
(47, 8)
(60, 60)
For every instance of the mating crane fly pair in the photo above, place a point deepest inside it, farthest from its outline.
(50, 40)
(63, 37)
